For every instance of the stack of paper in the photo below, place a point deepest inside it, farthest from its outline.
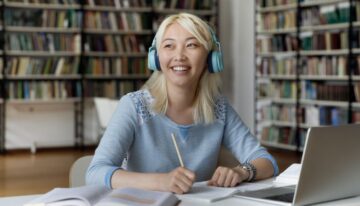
(290, 176)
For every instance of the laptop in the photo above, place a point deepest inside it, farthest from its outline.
(330, 169)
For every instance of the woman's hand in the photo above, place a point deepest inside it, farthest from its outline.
(178, 181)
(228, 177)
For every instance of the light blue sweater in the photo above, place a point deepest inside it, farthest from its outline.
(144, 138)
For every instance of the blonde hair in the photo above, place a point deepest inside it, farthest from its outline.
(209, 86)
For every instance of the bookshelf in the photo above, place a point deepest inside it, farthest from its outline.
(312, 66)
(62, 54)
(2, 91)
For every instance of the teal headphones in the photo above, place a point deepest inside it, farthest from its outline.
(214, 59)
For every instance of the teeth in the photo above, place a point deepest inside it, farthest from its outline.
(179, 68)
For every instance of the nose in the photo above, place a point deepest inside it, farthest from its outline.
(180, 54)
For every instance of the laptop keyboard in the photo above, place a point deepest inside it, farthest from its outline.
(288, 197)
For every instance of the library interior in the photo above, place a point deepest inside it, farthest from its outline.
(289, 65)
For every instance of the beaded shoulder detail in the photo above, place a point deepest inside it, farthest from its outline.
(220, 109)
(142, 100)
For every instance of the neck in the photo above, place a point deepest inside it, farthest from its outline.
(180, 98)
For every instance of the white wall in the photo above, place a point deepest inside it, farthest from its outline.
(237, 40)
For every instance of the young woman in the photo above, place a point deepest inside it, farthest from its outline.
(181, 98)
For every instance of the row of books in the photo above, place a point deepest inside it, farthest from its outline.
(277, 89)
(66, 2)
(110, 89)
(283, 89)
(43, 18)
(1, 67)
(283, 113)
(282, 135)
(326, 14)
(42, 66)
(43, 42)
(330, 91)
(116, 43)
(276, 43)
(184, 4)
(357, 92)
(315, 116)
(118, 3)
(49, 90)
(329, 40)
(278, 20)
(324, 65)
(272, 3)
(116, 66)
(117, 21)
(43, 90)
(276, 66)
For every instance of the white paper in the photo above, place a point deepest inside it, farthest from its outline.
(202, 192)
(290, 175)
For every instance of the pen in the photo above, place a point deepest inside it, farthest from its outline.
(177, 150)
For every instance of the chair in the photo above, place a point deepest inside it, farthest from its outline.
(78, 171)
(105, 108)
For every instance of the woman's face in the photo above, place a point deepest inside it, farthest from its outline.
(182, 57)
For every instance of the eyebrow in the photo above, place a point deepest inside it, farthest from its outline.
(172, 39)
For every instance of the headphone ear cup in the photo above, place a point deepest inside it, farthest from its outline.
(215, 62)
(152, 58)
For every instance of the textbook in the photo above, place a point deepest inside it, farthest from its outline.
(202, 192)
(94, 195)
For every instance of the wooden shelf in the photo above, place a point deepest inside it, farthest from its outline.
(43, 77)
(278, 145)
(42, 53)
(117, 32)
(23, 5)
(278, 31)
(276, 8)
(118, 77)
(43, 101)
(42, 29)
(114, 9)
(324, 52)
(319, 3)
(324, 103)
(324, 77)
(115, 54)
(196, 12)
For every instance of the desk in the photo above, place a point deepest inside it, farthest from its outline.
(21, 200)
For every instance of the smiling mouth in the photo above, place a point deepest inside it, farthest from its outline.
(180, 68)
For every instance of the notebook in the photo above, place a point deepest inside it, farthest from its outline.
(330, 169)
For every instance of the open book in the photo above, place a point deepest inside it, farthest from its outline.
(94, 195)
(204, 193)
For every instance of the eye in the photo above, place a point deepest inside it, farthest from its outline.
(167, 46)
(192, 45)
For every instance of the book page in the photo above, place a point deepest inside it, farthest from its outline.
(82, 196)
(138, 197)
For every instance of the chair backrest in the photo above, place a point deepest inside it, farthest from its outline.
(78, 171)
(105, 108)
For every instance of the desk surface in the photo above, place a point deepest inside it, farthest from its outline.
(21, 200)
